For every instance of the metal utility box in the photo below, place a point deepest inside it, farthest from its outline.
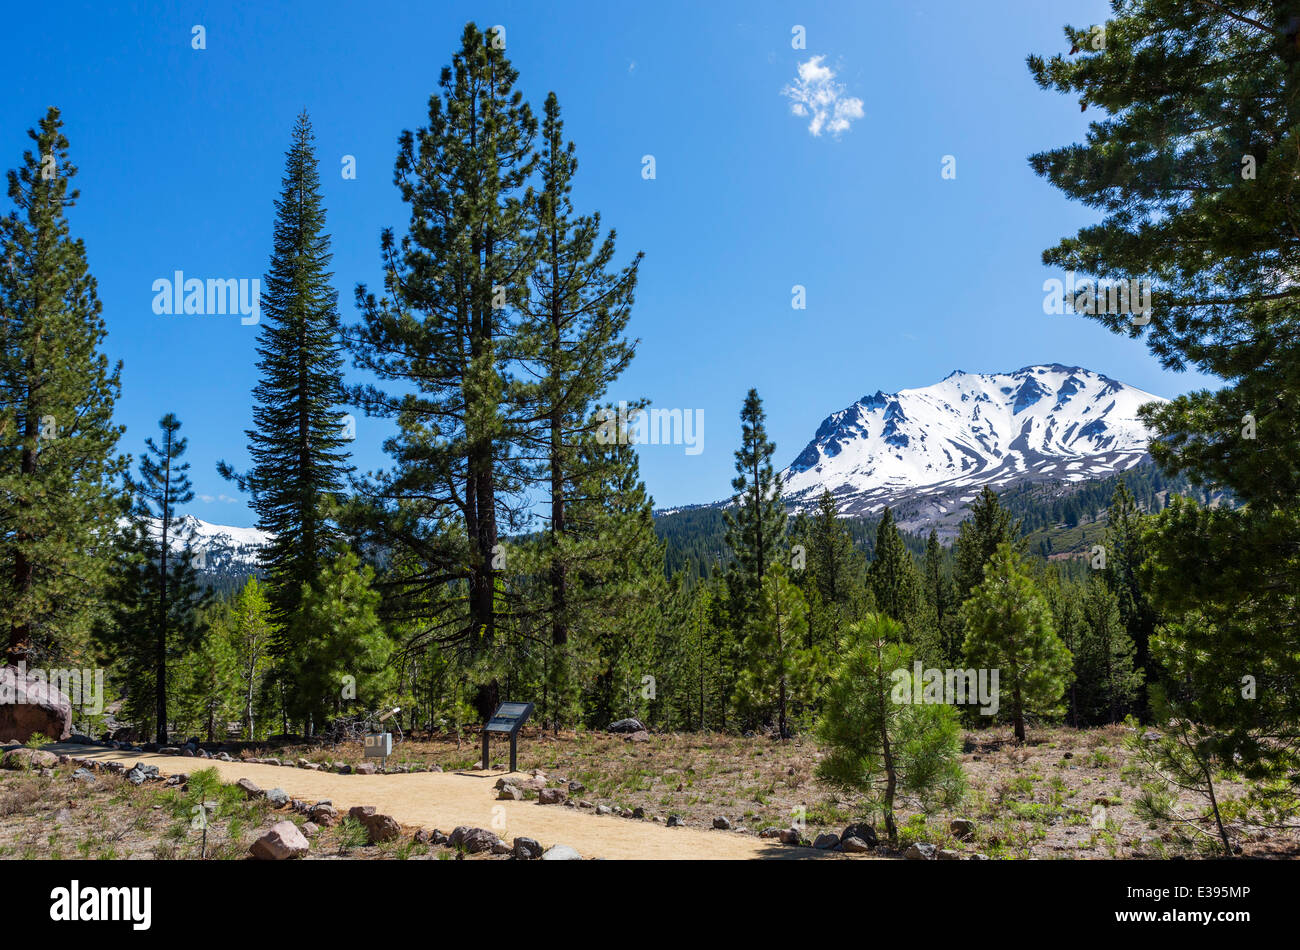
(379, 746)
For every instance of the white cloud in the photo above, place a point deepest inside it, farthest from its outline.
(816, 94)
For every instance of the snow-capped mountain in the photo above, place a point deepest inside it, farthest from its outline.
(217, 549)
(931, 449)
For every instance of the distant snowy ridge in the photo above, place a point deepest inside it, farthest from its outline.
(219, 547)
(935, 447)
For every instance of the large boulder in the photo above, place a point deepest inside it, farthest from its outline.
(283, 841)
(29, 705)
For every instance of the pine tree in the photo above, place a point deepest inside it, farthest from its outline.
(446, 334)
(988, 526)
(1009, 628)
(780, 671)
(834, 569)
(250, 630)
(1125, 553)
(756, 522)
(618, 588)
(207, 678)
(941, 599)
(1191, 166)
(878, 744)
(1104, 663)
(157, 599)
(893, 577)
(347, 643)
(573, 336)
(297, 443)
(58, 446)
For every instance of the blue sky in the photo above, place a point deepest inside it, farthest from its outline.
(908, 275)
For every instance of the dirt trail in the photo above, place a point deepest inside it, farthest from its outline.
(444, 800)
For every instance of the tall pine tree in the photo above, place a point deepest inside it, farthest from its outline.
(59, 463)
(447, 334)
(573, 338)
(298, 440)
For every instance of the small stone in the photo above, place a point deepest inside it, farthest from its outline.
(855, 846)
(920, 852)
(249, 788)
(674, 821)
(963, 829)
(365, 768)
(509, 793)
(84, 775)
(576, 788)
(310, 829)
(946, 854)
(722, 824)
(278, 797)
(550, 796)
(790, 836)
(827, 841)
(604, 810)
(527, 849)
(324, 815)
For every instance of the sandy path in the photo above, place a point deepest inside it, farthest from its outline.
(444, 800)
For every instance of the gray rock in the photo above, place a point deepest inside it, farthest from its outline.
(855, 846)
(863, 832)
(576, 788)
(827, 841)
(604, 810)
(627, 725)
(561, 852)
(509, 793)
(527, 849)
(674, 821)
(278, 797)
(84, 775)
(920, 852)
(945, 854)
(550, 796)
(722, 824)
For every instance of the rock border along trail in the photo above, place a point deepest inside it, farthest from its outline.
(444, 800)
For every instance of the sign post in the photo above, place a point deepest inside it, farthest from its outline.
(508, 719)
